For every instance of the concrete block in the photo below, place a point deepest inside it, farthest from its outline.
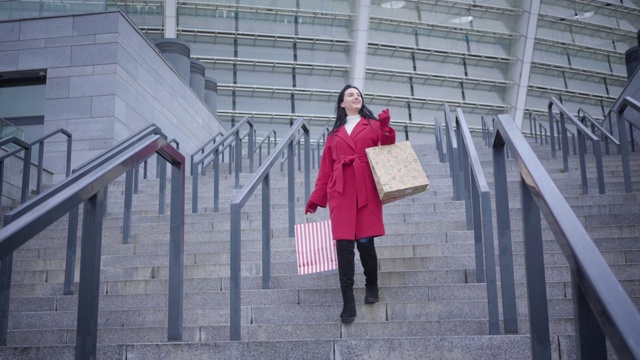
(44, 58)
(69, 71)
(64, 109)
(8, 60)
(9, 31)
(69, 41)
(57, 88)
(22, 45)
(46, 28)
(101, 23)
(97, 54)
(94, 85)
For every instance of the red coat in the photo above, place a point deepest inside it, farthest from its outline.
(345, 181)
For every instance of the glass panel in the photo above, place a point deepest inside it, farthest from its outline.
(433, 39)
(616, 87)
(403, 10)
(487, 70)
(489, 46)
(432, 89)
(321, 79)
(263, 102)
(554, 31)
(618, 65)
(324, 27)
(223, 73)
(265, 49)
(484, 94)
(388, 34)
(145, 14)
(308, 105)
(389, 60)
(538, 101)
(283, 4)
(209, 46)
(440, 65)
(259, 76)
(397, 110)
(17, 101)
(591, 84)
(323, 54)
(589, 60)
(554, 9)
(594, 39)
(28, 9)
(335, 6)
(386, 85)
(216, 19)
(546, 77)
(8, 130)
(266, 23)
(548, 55)
(425, 113)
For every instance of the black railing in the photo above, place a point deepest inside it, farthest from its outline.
(453, 155)
(88, 187)
(626, 103)
(603, 310)
(583, 135)
(266, 139)
(587, 120)
(40, 143)
(478, 199)
(26, 164)
(214, 153)
(262, 178)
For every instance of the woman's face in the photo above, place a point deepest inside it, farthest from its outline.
(352, 101)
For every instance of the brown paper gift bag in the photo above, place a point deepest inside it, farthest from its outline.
(397, 171)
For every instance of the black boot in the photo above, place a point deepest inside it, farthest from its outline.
(344, 249)
(369, 259)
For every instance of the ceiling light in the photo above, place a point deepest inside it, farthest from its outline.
(462, 20)
(393, 4)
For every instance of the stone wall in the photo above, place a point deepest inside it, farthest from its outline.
(105, 81)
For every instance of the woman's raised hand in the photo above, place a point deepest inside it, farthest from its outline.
(384, 118)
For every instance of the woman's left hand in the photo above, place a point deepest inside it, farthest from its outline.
(384, 118)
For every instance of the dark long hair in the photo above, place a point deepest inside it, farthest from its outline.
(341, 113)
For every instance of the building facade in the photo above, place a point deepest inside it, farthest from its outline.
(277, 60)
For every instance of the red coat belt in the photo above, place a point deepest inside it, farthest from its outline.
(357, 162)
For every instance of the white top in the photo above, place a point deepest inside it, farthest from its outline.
(352, 120)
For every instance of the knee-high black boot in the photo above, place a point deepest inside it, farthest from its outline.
(344, 249)
(369, 259)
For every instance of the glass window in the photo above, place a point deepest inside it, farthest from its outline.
(260, 76)
(547, 78)
(224, 100)
(550, 55)
(324, 27)
(440, 65)
(283, 4)
(209, 46)
(590, 84)
(554, 31)
(487, 70)
(432, 89)
(425, 113)
(618, 65)
(321, 79)
(215, 19)
(484, 94)
(594, 39)
(554, 9)
(307, 105)
(265, 49)
(398, 110)
(266, 23)
(334, 6)
(389, 34)
(223, 73)
(589, 60)
(440, 40)
(263, 102)
(150, 14)
(323, 53)
(403, 10)
(22, 100)
(384, 59)
(615, 87)
(388, 85)
(490, 46)
(538, 101)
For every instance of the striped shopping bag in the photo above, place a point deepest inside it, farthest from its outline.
(315, 247)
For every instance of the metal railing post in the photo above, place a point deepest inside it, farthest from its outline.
(128, 202)
(235, 276)
(266, 232)
(176, 252)
(291, 183)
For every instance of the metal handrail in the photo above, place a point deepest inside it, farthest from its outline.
(89, 188)
(40, 143)
(453, 155)
(602, 308)
(479, 199)
(583, 135)
(442, 155)
(77, 173)
(262, 178)
(626, 103)
(595, 125)
(316, 154)
(536, 126)
(26, 164)
(215, 152)
(296, 142)
(200, 150)
(268, 140)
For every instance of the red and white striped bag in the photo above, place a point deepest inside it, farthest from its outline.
(315, 247)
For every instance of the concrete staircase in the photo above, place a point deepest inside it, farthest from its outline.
(431, 306)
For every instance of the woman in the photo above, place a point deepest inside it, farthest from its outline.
(345, 182)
